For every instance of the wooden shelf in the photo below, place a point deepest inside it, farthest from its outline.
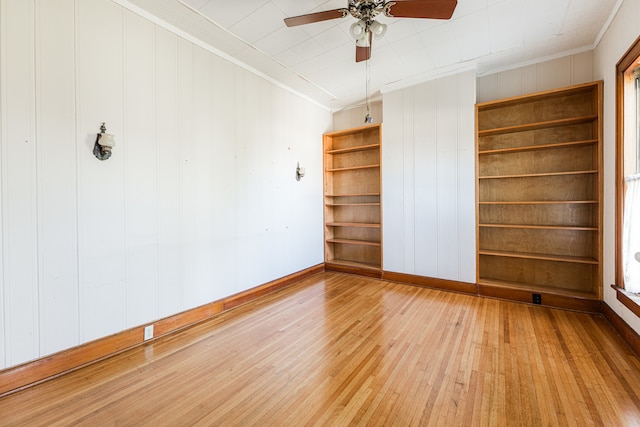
(352, 224)
(544, 257)
(354, 149)
(537, 175)
(538, 125)
(353, 195)
(537, 288)
(352, 208)
(353, 264)
(539, 227)
(352, 168)
(544, 202)
(335, 205)
(539, 147)
(353, 242)
(539, 183)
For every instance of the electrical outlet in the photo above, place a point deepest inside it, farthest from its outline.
(148, 332)
(537, 299)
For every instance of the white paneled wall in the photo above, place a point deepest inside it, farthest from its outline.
(556, 73)
(429, 180)
(19, 159)
(56, 173)
(199, 200)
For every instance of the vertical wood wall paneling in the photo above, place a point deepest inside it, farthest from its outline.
(20, 268)
(57, 175)
(203, 177)
(3, 179)
(223, 172)
(466, 178)
(408, 179)
(250, 173)
(426, 229)
(553, 74)
(306, 215)
(167, 131)
(392, 181)
(262, 146)
(281, 169)
(140, 154)
(242, 177)
(101, 183)
(436, 127)
(188, 224)
(447, 177)
(191, 196)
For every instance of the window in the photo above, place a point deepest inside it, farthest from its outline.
(628, 171)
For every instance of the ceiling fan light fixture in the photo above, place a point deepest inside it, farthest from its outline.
(365, 40)
(365, 11)
(358, 30)
(378, 30)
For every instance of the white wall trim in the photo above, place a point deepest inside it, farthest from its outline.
(607, 24)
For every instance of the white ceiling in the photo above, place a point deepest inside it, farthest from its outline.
(318, 60)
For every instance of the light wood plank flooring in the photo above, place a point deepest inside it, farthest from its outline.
(345, 350)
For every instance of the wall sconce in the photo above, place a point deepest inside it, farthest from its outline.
(299, 172)
(104, 143)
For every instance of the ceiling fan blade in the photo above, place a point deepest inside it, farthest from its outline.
(363, 53)
(316, 17)
(432, 9)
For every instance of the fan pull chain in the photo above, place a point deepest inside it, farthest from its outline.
(367, 118)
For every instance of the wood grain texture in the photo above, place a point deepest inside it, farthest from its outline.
(539, 191)
(339, 349)
(352, 207)
(430, 282)
(51, 366)
(624, 330)
(551, 298)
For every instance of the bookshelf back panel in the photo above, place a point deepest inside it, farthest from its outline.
(560, 275)
(366, 214)
(571, 159)
(545, 188)
(577, 243)
(354, 182)
(351, 139)
(356, 158)
(357, 233)
(553, 135)
(356, 253)
(575, 215)
(539, 110)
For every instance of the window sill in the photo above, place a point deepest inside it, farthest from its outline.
(629, 300)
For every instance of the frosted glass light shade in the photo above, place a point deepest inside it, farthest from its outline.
(378, 30)
(358, 29)
(107, 140)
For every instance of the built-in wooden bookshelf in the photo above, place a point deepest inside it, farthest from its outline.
(353, 234)
(539, 169)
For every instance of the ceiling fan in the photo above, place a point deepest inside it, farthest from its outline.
(365, 11)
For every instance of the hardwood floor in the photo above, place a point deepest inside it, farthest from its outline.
(338, 349)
